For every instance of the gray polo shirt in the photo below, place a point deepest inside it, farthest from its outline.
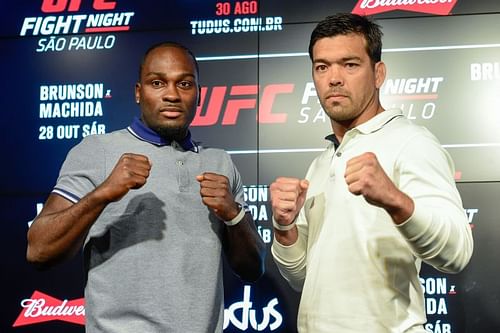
(153, 259)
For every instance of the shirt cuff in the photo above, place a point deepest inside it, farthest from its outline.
(292, 252)
(416, 224)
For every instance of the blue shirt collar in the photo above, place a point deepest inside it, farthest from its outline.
(333, 139)
(144, 133)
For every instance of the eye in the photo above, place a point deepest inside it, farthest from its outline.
(185, 84)
(320, 68)
(351, 65)
(157, 83)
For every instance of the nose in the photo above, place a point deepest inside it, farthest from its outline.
(335, 77)
(170, 93)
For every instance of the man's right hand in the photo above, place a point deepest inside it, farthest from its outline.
(59, 231)
(287, 198)
(130, 172)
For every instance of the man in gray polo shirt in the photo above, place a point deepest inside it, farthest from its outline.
(154, 212)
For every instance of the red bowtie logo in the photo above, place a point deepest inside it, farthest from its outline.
(42, 308)
(371, 7)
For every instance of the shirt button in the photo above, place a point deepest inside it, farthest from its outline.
(338, 154)
(180, 163)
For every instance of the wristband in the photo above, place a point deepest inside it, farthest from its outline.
(282, 227)
(237, 219)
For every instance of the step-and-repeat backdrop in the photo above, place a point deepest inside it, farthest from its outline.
(69, 69)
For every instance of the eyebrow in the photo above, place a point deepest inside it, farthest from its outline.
(182, 74)
(341, 60)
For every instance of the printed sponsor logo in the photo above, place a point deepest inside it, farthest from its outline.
(41, 308)
(63, 18)
(436, 7)
(223, 104)
(236, 17)
(242, 315)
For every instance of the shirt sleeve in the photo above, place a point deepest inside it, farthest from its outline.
(291, 260)
(82, 170)
(236, 183)
(438, 231)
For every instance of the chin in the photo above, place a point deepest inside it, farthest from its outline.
(172, 132)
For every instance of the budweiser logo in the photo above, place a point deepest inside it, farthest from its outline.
(436, 7)
(41, 308)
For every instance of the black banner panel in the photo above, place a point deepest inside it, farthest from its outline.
(70, 67)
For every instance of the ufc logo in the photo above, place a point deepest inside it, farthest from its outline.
(215, 105)
(58, 6)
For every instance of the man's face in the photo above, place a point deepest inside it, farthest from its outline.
(345, 79)
(168, 91)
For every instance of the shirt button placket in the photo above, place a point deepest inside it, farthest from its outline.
(182, 175)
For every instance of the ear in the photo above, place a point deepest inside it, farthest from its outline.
(137, 92)
(380, 72)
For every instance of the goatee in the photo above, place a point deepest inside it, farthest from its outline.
(172, 134)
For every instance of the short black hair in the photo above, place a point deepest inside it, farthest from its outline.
(168, 44)
(346, 23)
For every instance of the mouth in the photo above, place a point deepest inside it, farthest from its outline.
(171, 111)
(336, 97)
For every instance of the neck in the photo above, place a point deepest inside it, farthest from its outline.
(341, 127)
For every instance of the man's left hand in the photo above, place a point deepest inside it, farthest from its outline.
(216, 194)
(364, 176)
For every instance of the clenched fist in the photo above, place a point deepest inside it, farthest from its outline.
(130, 172)
(364, 176)
(216, 194)
(287, 198)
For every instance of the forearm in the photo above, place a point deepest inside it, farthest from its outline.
(438, 230)
(291, 260)
(439, 237)
(245, 249)
(58, 234)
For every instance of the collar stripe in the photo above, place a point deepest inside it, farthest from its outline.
(144, 133)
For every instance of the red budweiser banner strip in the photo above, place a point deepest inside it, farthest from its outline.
(42, 308)
(436, 7)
